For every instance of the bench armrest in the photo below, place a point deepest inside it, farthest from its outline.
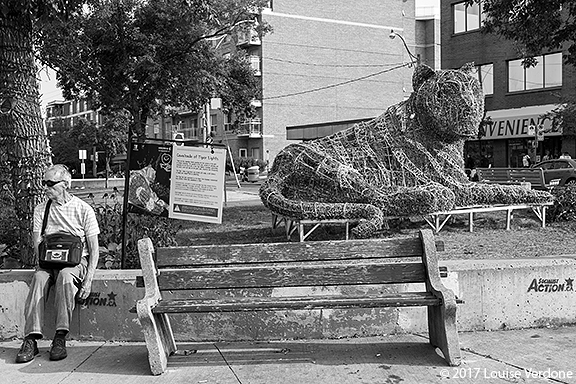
(149, 271)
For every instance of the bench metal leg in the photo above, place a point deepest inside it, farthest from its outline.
(291, 226)
(435, 221)
(276, 220)
(541, 214)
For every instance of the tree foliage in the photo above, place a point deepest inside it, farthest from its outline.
(109, 137)
(139, 56)
(534, 25)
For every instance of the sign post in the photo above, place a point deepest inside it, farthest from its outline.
(82, 156)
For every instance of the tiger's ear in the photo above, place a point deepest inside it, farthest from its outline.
(421, 74)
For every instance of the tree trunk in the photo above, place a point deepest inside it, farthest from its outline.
(22, 133)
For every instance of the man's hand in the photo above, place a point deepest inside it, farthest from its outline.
(93, 249)
(85, 289)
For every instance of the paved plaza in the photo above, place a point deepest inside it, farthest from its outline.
(540, 355)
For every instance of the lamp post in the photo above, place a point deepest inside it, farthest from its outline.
(413, 58)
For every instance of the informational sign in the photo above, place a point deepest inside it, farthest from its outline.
(197, 184)
(149, 184)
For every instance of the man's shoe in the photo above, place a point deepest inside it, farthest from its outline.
(58, 349)
(27, 351)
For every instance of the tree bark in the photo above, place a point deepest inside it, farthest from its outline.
(22, 133)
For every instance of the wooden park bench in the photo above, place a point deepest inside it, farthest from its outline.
(513, 176)
(259, 267)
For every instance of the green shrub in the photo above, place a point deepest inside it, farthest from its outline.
(162, 231)
(564, 208)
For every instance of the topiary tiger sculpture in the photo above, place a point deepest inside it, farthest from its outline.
(408, 161)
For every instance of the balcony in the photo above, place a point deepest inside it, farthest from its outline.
(255, 63)
(248, 37)
(251, 128)
(190, 133)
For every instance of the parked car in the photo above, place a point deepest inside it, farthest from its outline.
(558, 171)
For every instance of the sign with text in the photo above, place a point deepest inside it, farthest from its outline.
(197, 184)
(519, 122)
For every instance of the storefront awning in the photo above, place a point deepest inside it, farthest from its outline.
(514, 123)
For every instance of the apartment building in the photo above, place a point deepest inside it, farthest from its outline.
(68, 112)
(516, 98)
(324, 61)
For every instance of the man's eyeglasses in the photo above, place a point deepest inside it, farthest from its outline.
(51, 183)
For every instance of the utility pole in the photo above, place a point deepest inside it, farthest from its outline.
(94, 162)
(207, 122)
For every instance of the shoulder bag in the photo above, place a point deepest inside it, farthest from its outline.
(58, 250)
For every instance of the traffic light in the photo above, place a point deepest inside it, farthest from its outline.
(540, 132)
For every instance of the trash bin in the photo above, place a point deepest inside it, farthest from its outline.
(253, 173)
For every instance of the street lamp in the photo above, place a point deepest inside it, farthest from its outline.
(413, 59)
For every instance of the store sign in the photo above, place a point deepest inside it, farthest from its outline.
(516, 123)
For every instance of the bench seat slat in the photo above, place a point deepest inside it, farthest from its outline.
(405, 299)
(291, 276)
(288, 252)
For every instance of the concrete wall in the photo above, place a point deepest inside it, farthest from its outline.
(498, 294)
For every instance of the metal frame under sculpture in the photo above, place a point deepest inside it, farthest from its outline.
(408, 161)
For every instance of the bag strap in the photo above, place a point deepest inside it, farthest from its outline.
(48, 203)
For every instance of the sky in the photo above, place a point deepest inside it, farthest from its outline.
(48, 89)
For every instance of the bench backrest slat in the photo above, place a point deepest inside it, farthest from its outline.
(512, 175)
(291, 275)
(288, 252)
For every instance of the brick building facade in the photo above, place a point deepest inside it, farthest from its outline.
(516, 98)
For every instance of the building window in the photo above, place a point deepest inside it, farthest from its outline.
(467, 17)
(485, 75)
(242, 152)
(228, 126)
(547, 73)
(213, 124)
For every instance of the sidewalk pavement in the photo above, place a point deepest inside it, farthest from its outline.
(541, 355)
(233, 197)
